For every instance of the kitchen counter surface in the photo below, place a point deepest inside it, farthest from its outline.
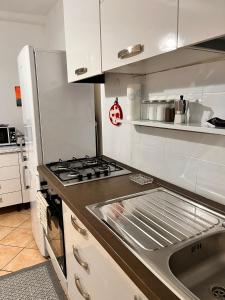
(77, 197)
(9, 149)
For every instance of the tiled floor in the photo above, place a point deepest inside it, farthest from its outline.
(17, 246)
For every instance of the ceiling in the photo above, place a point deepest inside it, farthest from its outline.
(34, 7)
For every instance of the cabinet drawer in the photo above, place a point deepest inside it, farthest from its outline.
(9, 186)
(9, 173)
(9, 159)
(10, 199)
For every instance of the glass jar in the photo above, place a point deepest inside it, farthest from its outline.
(169, 111)
(145, 109)
(152, 110)
(160, 115)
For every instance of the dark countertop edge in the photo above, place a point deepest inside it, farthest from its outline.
(149, 287)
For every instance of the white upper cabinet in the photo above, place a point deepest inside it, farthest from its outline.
(82, 34)
(133, 30)
(200, 20)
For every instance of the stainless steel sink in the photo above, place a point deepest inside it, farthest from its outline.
(201, 266)
(181, 242)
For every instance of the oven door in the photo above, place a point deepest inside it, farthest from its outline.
(4, 136)
(55, 235)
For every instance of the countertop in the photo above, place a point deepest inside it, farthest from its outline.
(77, 197)
(9, 149)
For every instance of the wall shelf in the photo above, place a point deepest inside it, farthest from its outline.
(184, 127)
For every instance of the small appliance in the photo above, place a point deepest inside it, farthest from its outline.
(7, 136)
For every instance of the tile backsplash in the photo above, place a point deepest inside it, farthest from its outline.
(194, 161)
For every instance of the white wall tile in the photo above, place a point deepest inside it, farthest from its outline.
(211, 181)
(194, 161)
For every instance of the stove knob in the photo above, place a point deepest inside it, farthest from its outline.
(80, 177)
(89, 175)
(98, 173)
(106, 172)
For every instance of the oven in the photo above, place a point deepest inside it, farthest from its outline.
(51, 216)
(7, 136)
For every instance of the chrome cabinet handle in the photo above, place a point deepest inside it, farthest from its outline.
(77, 227)
(80, 289)
(1, 200)
(137, 297)
(81, 71)
(26, 187)
(131, 51)
(78, 259)
(23, 157)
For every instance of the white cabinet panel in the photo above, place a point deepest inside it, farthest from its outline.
(9, 159)
(150, 23)
(9, 186)
(9, 173)
(200, 20)
(103, 278)
(82, 34)
(10, 199)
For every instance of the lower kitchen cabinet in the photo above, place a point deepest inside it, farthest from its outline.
(13, 189)
(91, 272)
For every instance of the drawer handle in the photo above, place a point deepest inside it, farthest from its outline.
(78, 259)
(26, 187)
(81, 71)
(1, 200)
(131, 51)
(77, 227)
(80, 289)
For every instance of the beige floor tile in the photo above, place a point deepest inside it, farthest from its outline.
(4, 231)
(32, 245)
(4, 273)
(26, 258)
(20, 237)
(13, 219)
(27, 224)
(7, 253)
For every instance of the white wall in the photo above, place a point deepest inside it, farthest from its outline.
(191, 160)
(16, 31)
(13, 36)
(55, 27)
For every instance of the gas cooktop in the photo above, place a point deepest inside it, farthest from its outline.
(80, 170)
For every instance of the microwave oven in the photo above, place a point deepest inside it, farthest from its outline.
(7, 136)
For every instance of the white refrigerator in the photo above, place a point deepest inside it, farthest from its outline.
(59, 119)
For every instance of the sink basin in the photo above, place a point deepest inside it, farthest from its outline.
(201, 267)
(180, 241)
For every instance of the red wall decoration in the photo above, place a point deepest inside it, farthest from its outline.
(116, 113)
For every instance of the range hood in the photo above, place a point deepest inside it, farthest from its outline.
(215, 45)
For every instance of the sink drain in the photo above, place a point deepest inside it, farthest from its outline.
(218, 292)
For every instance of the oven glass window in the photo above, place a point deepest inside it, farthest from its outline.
(4, 139)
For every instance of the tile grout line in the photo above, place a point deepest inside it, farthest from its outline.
(12, 259)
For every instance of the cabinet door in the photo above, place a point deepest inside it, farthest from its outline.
(147, 27)
(9, 173)
(91, 270)
(10, 199)
(82, 34)
(200, 20)
(9, 159)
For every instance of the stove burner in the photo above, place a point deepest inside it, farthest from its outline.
(85, 169)
(73, 174)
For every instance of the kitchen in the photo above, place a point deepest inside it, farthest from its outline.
(112, 171)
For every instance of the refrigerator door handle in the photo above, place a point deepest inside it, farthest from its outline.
(26, 187)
